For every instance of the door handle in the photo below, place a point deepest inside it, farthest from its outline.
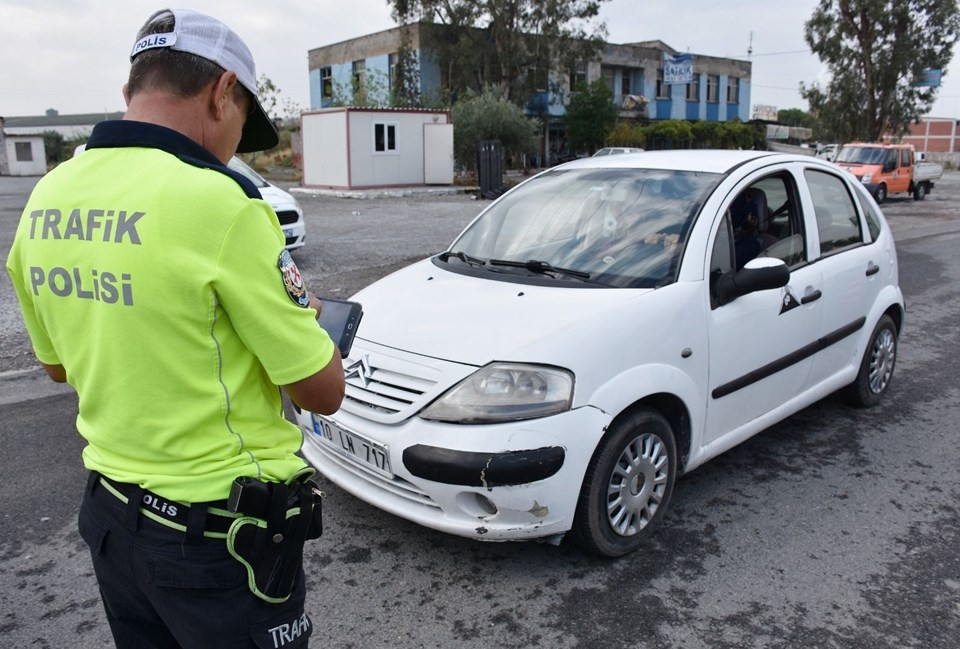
(810, 297)
(872, 269)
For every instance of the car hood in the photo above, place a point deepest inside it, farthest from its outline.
(858, 169)
(277, 198)
(427, 310)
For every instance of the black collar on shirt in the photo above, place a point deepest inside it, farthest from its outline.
(127, 133)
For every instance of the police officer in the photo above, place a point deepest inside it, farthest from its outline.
(155, 282)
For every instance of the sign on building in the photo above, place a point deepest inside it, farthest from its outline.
(765, 112)
(930, 78)
(677, 68)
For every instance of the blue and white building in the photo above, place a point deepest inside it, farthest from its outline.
(648, 80)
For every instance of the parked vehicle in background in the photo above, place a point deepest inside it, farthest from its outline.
(889, 169)
(283, 203)
(827, 152)
(613, 150)
(603, 328)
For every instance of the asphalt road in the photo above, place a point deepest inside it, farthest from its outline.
(837, 528)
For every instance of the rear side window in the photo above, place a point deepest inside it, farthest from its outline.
(837, 219)
(870, 212)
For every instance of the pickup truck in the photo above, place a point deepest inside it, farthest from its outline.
(889, 169)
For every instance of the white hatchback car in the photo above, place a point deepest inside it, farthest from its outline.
(603, 328)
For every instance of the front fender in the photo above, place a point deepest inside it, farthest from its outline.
(633, 385)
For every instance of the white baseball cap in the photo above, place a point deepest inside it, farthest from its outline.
(207, 37)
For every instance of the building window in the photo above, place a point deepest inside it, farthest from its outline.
(392, 72)
(733, 90)
(625, 83)
(713, 87)
(24, 151)
(693, 89)
(384, 138)
(607, 75)
(326, 82)
(359, 69)
(578, 76)
(663, 91)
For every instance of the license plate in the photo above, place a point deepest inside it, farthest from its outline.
(288, 232)
(356, 447)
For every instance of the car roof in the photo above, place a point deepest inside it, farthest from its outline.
(703, 160)
(879, 145)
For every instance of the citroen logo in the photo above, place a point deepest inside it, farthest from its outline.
(360, 369)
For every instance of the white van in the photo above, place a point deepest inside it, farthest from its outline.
(604, 327)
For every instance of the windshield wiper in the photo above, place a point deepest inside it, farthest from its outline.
(539, 266)
(462, 256)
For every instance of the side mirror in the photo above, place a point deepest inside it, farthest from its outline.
(760, 274)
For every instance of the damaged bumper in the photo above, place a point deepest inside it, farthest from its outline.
(501, 482)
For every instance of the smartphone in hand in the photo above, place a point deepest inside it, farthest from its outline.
(340, 319)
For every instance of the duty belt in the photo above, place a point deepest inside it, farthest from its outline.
(212, 519)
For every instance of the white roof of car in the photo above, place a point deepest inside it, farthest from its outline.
(705, 160)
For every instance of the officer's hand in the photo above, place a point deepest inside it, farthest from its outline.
(315, 304)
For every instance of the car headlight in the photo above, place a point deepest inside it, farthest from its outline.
(866, 178)
(503, 392)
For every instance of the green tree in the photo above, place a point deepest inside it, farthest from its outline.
(274, 104)
(796, 117)
(627, 132)
(876, 51)
(591, 117)
(512, 44)
(490, 116)
(54, 144)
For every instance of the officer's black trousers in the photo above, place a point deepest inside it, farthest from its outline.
(161, 590)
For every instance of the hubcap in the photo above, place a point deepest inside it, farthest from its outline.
(637, 484)
(882, 358)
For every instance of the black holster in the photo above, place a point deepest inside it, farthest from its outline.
(269, 538)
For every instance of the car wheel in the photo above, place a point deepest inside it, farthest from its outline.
(919, 191)
(876, 368)
(627, 486)
(881, 194)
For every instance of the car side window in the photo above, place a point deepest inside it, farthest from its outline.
(837, 219)
(721, 258)
(869, 211)
(773, 226)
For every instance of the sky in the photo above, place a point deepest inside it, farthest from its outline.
(72, 55)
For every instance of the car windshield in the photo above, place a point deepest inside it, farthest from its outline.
(241, 167)
(861, 155)
(615, 227)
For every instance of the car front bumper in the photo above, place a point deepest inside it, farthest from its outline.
(295, 235)
(513, 481)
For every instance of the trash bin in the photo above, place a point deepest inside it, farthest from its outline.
(490, 168)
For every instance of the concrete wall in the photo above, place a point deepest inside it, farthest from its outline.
(372, 48)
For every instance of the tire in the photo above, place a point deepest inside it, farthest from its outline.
(920, 191)
(881, 193)
(628, 485)
(876, 368)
